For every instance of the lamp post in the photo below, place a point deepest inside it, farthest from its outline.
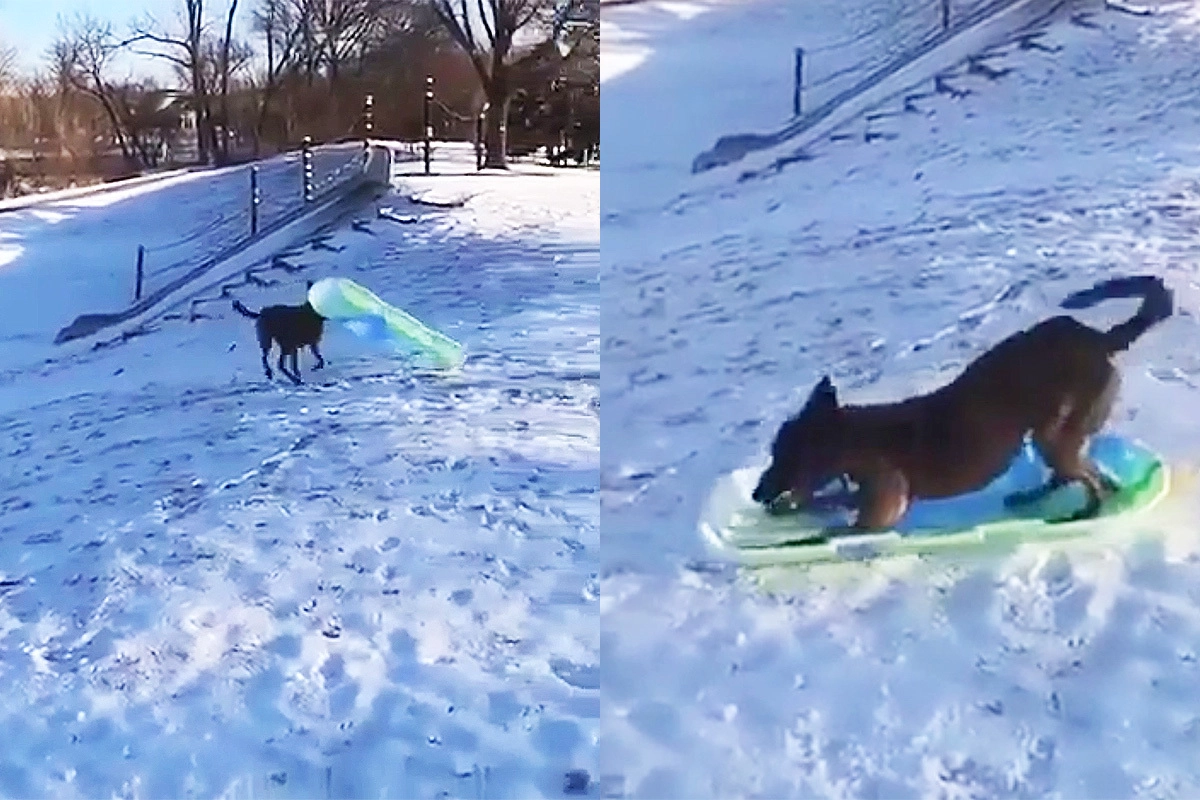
(306, 158)
(428, 123)
(255, 199)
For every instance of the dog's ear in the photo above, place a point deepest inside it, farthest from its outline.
(308, 284)
(823, 396)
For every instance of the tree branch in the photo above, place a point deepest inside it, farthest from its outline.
(143, 35)
(483, 16)
(186, 64)
(446, 14)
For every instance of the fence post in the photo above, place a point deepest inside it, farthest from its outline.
(141, 264)
(306, 160)
(945, 15)
(479, 138)
(369, 115)
(255, 199)
(428, 123)
(796, 92)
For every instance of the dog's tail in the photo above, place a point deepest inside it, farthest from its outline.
(1157, 305)
(245, 312)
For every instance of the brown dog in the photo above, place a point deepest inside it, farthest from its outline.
(294, 327)
(1055, 381)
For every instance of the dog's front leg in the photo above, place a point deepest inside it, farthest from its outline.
(883, 501)
(843, 499)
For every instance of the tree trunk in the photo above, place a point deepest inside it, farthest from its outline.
(268, 87)
(200, 104)
(289, 119)
(495, 134)
(114, 120)
(201, 125)
(225, 82)
(260, 124)
(495, 123)
(333, 108)
(214, 144)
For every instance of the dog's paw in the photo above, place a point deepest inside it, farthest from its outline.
(1078, 516)
(1085, 513)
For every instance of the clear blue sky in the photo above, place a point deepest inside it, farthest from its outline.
(30, 25)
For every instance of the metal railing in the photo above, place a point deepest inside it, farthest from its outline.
(276, 190)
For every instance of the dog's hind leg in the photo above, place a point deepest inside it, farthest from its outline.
(264, 342)
(1063, 444)
(1065, 454)
(317, 353)
(1098, 486)
(1078, 428)
(266, 366)
(283, 368)
(296, 364)
(1097, 483)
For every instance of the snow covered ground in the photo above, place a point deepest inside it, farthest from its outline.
(889, 263)
(381, 583)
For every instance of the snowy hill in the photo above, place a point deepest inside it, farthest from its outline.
(889, 261)
(381, 583)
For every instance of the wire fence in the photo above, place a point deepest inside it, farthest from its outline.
(275, 189)
(882, 33)
(887, 36)
(272, 192)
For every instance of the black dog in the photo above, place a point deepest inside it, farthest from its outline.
(294, 327)
(1055, 381)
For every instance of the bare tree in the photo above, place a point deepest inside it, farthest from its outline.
(317, 56)
(207, 63)
(487, 31)
(225, 69)
(56, 113)
(82, 56)
(8, 65)
(347, 27)
(281, 30)
(344, 26)
(139, 106)
(186, 51)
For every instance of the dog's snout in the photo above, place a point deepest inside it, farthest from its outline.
(764, 492)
